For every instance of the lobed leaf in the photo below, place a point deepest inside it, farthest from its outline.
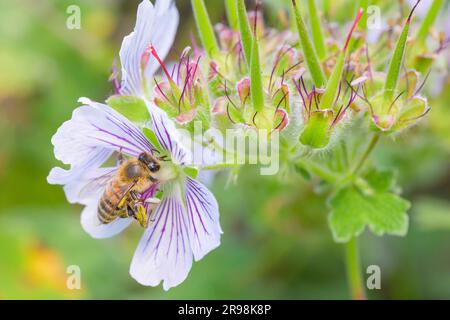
(369, 202)
(352, 211)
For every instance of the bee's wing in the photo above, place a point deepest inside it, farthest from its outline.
(97, 184)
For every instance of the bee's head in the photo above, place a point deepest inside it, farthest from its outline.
(149, 161)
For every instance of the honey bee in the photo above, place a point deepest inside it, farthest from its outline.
(122, 197)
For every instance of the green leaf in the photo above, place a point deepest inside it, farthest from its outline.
(246, 31)
(381, 180)
(353, 210)
(309, 53)
(205, 28)
(232, 14)
(316, 28)
(133, 108)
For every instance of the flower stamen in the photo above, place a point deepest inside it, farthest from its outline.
(152, 50)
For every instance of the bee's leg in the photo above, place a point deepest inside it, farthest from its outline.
(126, 213)
(141, 214)
(135, 195)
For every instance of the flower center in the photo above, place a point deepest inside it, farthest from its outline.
(168, 172)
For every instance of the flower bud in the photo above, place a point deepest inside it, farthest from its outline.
(317, 132)
(243, 88)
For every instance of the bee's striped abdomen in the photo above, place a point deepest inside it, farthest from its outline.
(108, 207)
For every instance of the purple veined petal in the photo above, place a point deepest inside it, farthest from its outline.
(88, 140)
(155, 25)
(203, 218)
(73, 178)
(164, 252)
(95, 127)
(92, 225)
(168, 136)
(76, 181)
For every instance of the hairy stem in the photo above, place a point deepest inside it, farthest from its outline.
(220, 166)
(353, 263)
(319, 171)
(370, 148)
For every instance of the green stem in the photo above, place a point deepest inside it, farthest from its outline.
(256, 84)
(316, 29)
(309, 52)
(428, 21)
(246, 31)
(205, 28)
(353, 263)
(370, 148)
(231, 9)
(319, 171)
(220, 166)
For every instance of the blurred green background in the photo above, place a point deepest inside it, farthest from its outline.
(276, 242)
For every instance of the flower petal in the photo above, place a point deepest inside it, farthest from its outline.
(203, 216)
(60, 176)
(87, 141)
(92, 225)
(168, 136)
(93, 129)
(164, 252)
(155, 25)
(167, 19)
(182, 229)
(76, 180)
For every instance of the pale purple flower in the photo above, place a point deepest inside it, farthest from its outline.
(156, 26)
(184, 226)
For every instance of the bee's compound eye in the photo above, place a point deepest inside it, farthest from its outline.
(154, 167)
(142, 158)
